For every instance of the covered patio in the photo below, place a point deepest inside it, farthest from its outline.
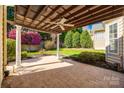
(58, 73)
(59, 18)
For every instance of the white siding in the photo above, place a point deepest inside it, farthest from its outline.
(99, 40)
(118, 57)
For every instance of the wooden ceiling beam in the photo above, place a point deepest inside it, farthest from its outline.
(25, 8)
(83, 9)
(100, 19)
(94, 21)
(39, 13)
(40, 10)
(39, 30)
(27, 12)
(97, 13)
(87, 16)
(102, 15)
(110, 16)
(104, 19)
(52, 12)
(87, 12)
(64, 12)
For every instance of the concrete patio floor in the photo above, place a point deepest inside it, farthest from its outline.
(48, 72)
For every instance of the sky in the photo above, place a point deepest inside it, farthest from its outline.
(89, 27)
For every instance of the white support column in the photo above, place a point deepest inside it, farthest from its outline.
(18, 45)
(57, 54)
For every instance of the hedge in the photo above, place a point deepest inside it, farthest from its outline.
(11, 46)
(90, 57)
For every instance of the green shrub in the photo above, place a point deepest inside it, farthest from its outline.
(11, 53)
(90, 57)
(76, 40)
(11, 46)
(85, 40)
(68, 39)
(24, 54)
(49, 45)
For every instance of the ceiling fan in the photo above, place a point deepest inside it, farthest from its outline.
(61, 24)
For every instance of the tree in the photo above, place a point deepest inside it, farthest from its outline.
(85, 40)
(76, 40)
(62, 38)
(68, 40)
(82, 39)
(89, 42)
(77, 30)
(45, 36)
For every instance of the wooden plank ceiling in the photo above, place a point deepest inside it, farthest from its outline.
(35, 16)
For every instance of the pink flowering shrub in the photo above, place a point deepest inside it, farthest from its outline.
(12, 34)
(30, 38)
(34, 38)
(24, 40)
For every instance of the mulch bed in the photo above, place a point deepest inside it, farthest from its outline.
(105, 65)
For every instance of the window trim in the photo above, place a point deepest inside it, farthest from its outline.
(112, 23)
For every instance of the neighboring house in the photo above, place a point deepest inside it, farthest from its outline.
(98, 36)
(114, 41)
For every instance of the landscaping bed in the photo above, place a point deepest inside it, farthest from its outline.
(93, 58)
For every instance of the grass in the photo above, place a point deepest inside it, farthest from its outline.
(72, 51)
(64, 51)
(75, 52)
(34, 53)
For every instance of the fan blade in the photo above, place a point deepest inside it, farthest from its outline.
(62, 27)
(70, 25)
(63, 20)
(51, 22)
(54, 27)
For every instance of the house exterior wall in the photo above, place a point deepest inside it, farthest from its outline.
(115, 57)
(99, 40)
(98, 36)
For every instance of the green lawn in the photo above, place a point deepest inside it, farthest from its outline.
(34, 53)
(66, 51)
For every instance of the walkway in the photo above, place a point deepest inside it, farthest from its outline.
(48, 72)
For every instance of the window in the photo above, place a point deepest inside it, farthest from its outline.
(113, 38)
